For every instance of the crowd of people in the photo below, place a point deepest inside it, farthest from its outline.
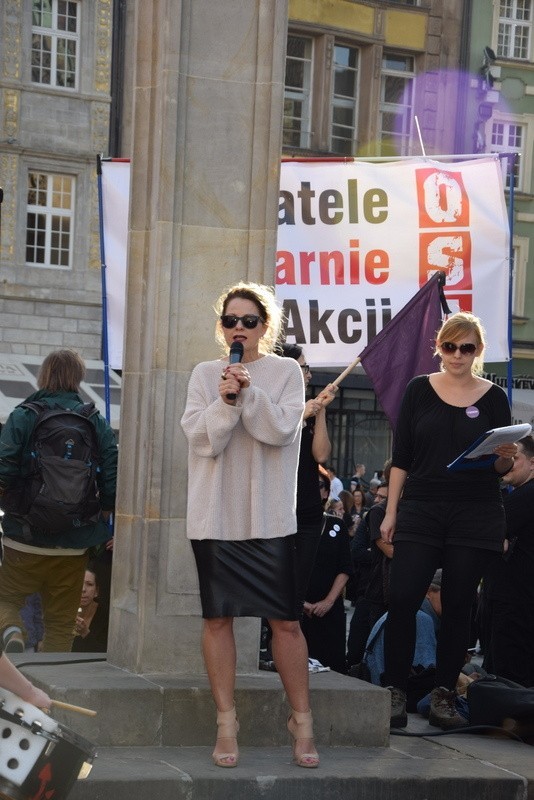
(280, 536)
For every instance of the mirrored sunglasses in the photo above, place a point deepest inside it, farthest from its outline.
(465, 349)
(248, 320)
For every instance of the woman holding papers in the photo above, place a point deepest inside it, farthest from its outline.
(449, 519)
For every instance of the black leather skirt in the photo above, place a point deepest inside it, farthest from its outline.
(250, 578)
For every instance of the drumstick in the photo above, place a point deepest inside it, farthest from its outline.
(79, 709)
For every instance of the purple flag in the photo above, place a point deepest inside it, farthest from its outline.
(404, 348)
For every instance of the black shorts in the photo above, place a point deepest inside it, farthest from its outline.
(468, 523)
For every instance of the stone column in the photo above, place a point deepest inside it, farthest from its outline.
(207, 86)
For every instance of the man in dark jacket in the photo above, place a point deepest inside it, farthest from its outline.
(509, 589)
(52, 564)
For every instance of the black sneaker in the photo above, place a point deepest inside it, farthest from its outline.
(12, 640)
(399, 717)
(443, 713)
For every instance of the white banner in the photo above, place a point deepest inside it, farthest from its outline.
(356, 241)
(115, 205)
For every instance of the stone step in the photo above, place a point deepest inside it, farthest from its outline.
(414, 769)
(155, 734)
(178, 711)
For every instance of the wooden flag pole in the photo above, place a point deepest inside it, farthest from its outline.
(346, 371)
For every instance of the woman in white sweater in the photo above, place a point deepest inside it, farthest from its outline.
(243, 422)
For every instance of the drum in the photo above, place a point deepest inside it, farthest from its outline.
(39, 758)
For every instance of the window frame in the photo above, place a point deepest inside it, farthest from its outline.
(56, 35)
(526, 123)
(385, 106)
(306, 120)
(514, 22)
(343, 101)
(49, 211)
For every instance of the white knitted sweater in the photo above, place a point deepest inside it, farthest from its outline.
(243, 459)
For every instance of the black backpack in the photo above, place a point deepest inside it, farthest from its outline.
(60, 493)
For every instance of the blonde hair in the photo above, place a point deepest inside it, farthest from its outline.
(268, 307)
(457, 327)
(61, 371)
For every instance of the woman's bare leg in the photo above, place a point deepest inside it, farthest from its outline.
(218, 647)
(290, 655)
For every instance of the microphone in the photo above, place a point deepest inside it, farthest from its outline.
(235, 357)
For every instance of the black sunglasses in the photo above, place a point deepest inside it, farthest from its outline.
(248, 320)
(305, 368)
(465, 349)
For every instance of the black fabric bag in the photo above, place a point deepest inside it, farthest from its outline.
(493, 699)
(61, 491)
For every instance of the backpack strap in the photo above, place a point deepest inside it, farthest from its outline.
(36, 406)
(87, 410)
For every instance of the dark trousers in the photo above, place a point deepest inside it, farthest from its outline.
(412, 569)
(359, 631)
(307, 542)
(325, 637)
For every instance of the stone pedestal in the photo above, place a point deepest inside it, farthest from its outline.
(204, 138)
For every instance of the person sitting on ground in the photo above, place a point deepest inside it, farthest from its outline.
(424, 659)
(92, 621)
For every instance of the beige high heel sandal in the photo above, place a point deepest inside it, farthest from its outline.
(300, 726)
(227, 728)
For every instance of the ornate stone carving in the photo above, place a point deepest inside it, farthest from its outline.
(103, 27)
(11, 22)
(10, 113)
(8, 171)
(99, 127)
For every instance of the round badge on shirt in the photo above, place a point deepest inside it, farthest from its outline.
(472, 412)
(333, 532)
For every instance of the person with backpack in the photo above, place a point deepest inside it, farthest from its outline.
(58, 472)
